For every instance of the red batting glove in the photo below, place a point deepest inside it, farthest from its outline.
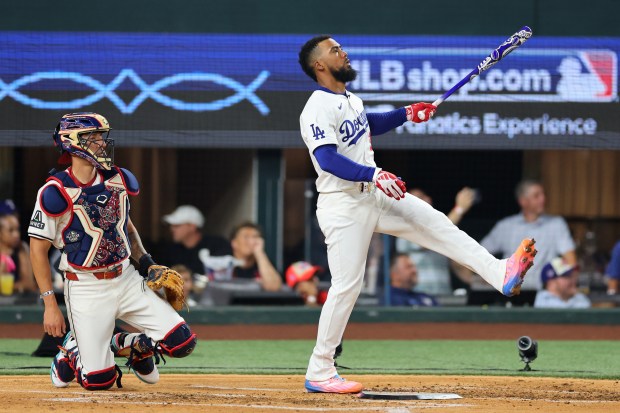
(420, 112)
(391, 185)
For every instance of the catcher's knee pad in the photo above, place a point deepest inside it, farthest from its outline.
(101, 379)
(179, 342)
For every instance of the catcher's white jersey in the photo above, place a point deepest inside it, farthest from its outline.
(336, 119)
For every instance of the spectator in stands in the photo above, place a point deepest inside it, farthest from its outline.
(403, 279)
(302, 277)
(7, 276)
(190, 246)
(15, 250)
(188, 283)
(248, 246)
(434, 268)
(559, 279)
(551, 232)
(613, 271)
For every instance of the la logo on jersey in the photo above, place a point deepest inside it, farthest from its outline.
(317, 132)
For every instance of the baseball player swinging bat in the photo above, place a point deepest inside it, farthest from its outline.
(496, 55)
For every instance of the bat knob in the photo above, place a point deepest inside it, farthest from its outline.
(422, 114)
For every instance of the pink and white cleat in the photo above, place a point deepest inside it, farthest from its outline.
(517, 265)
(335, 384)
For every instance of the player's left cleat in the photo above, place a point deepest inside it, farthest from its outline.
(139, 352)
(335, 384)
(62, 371)
(517, 266)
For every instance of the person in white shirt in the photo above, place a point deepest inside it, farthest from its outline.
(551, 232)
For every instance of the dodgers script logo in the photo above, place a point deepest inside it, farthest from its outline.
(354, 129)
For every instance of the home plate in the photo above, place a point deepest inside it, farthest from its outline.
(387, 395)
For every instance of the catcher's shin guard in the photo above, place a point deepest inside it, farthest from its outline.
(179, 342)
(100, 380)
(139, 351)
(62, 371)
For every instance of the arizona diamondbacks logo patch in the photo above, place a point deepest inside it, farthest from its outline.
(36, 220)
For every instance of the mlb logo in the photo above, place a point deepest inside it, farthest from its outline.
(588, 76)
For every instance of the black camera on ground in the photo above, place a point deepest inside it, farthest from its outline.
(528, 351)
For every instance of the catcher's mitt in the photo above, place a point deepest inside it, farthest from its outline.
(159, 277)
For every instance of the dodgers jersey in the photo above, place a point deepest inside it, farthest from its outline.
(339, 119)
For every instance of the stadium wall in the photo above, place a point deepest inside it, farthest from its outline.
(301, 315)
(480, 17)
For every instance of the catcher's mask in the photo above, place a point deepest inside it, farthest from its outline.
(85, 134)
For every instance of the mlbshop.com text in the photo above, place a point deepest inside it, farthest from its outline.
(494, 124)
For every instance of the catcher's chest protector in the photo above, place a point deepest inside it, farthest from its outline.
(96, 235)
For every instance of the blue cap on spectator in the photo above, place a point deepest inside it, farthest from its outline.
(556, 268)
(7, 206)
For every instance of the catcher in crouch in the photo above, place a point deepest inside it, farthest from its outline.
(84, 211)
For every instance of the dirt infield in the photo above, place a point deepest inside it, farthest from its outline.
(237, 393)
(254, 393)
(379, 331)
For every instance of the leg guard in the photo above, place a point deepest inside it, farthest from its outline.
(179, 342)
(100, 380)
(62, 371)
(139, 350)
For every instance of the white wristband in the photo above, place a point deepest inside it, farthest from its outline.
(46, 293)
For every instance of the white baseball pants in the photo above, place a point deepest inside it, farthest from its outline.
(348, 220)
(93, 306)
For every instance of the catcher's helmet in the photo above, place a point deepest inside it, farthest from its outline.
(85, 134)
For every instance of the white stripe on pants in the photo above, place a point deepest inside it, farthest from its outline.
(348, 220)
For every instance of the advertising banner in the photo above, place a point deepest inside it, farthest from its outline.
(206, 90)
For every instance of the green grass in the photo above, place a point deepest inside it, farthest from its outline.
(580, 359)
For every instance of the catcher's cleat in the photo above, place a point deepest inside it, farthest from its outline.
(517, 265)
(62, 371)
(139, 352)
(335, 384)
